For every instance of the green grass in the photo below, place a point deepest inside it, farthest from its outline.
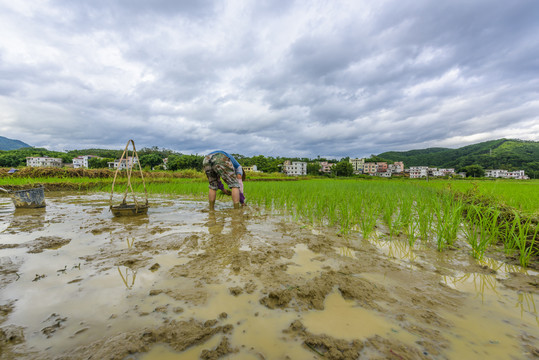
(521, 195)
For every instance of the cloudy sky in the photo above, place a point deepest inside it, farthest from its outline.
(279, 78)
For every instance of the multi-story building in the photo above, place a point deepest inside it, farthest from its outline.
(517, 174)
(128, 162)
(498, 173)
(82, 161)
(417, 172)
(396, 168)
(446, 172)
(504, 174)
(325, 167)
(381, 167)
(294, 168)
(358, 165)
(370, 168)
(424, 171)
(43, 161)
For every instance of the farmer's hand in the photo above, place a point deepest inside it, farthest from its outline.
(227, 192)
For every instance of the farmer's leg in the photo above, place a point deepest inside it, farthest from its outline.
(213, 179)
(212, 194)
(236, 196)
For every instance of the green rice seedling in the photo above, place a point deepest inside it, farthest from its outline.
(477, 230)
(345, 217)
(389, 208)
(367, 218)
(449, 217)
(524, 232)
(492, 218)
(405, 211)
(425, 219)
(506, 231)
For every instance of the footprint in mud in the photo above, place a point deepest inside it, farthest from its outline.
(57, 322)
(47, 243)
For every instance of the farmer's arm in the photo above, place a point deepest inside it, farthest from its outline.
(222, 188)
(241, 196)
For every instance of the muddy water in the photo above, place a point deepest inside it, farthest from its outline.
(186, 283)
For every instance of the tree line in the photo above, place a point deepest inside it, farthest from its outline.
(152, 158)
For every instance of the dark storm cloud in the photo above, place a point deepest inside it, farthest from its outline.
(272, 77)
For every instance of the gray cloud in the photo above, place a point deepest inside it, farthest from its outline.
(268, 77)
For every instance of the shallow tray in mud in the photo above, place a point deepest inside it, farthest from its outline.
(129, 210)
(30, 198)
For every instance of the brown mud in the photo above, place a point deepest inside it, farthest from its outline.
(187, 283)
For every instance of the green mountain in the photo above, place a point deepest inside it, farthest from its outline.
(9, 144)
(507, 154)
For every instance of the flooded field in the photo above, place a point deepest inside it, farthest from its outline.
(187, 283)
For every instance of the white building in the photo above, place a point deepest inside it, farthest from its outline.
(295, 168)
(496, 173)
(396, 168)
(386, 174)
(504, 174)
(43, 161)
(517, 174)
(417, 172)
(446, 172)
(128, 162)
(82, 161)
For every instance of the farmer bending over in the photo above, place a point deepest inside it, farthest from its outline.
(219, 164)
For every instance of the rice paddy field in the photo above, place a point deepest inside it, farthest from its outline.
(309, 269)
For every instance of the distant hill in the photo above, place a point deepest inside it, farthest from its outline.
(507, 154)
(9, 144)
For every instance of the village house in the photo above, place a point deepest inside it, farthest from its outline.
(82, 161)
(381, 167)
(396, 168)
(294, 168)
(369, 168)
(325, 167)
(441, 172)
(517, 174)
(417, 172)
(358, 165)
(129, 162)
(250, 168)
(386, 174)
(43, 161)
(372, 168)
(504, 174)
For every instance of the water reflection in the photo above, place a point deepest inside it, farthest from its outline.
(128, 276)
(130, 242)
(485, 286)
(217, 221)
(526, 303)
(130, 221)
(394, 248)
(227, 229)
(27, 220)
(474, 282)
(505, 269)
(346, 251)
